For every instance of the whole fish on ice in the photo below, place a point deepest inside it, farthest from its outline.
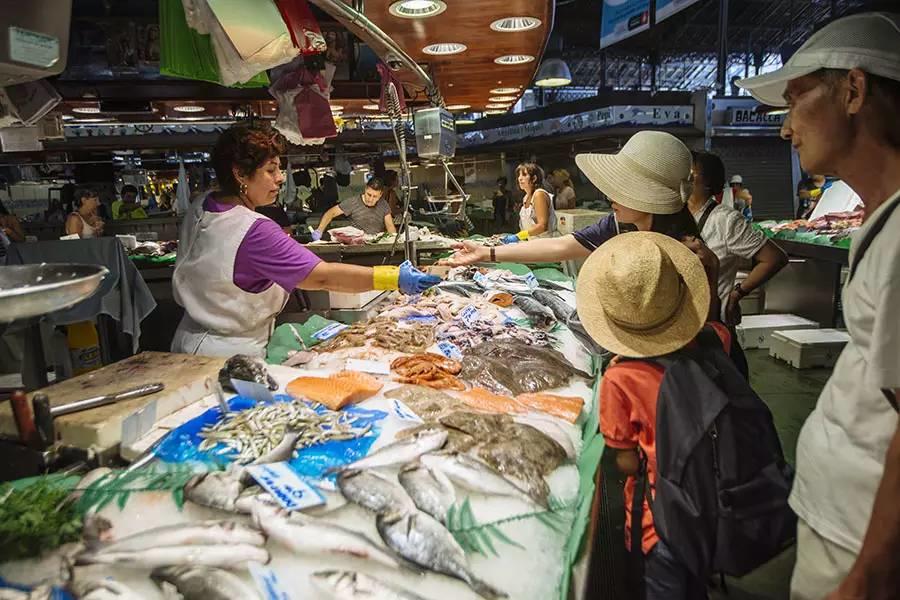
(352, 585)
(403, 451)
(374, 491)
(471, 473)
(182, 534)
(205, 583)
(429, 489)
(540, 316)
(103, 589)
(221, 555)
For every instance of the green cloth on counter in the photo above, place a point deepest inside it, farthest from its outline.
(284, 340)
(552, 274)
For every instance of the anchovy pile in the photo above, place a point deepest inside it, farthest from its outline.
(257, 431)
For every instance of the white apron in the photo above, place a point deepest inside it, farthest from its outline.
(528, 218)
(220, 318)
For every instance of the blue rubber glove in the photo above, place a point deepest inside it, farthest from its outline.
(510, 239)
(316, 235)
(414, 281)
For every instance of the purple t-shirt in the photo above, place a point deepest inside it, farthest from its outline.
(592, 236)
(267, 255)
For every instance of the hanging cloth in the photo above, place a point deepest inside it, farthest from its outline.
(303, 26)
(183, 195)
(289, 191)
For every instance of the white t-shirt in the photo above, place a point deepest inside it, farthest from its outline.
(731, 238)
(840, 454)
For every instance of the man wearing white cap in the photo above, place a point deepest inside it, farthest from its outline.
(843, 90)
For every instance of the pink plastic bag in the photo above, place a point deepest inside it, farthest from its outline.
(313, 111)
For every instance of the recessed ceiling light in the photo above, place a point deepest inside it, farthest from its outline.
(100, 120)
(191, 118)
(496, 105)
(444, 48)
(502, 99)
(189, 108)
(67, 117)
(514, 59)
(458, 106)
(465, 121)
(86, 110)
(495, 112)
(370, 107)
(512, 24)
(336, 108)
(417, 9)
(505, 90)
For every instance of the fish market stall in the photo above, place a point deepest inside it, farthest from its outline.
(446, 448)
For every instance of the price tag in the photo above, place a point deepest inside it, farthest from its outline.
(280, 480)
(368, 366)
(267, 582)
(429, 319)
(33, 48)
(330, 331)
(450, 350)
(481, 279)
(404, 413)
(469, 315)
(506, 317)
(251, 389)
(531, 280)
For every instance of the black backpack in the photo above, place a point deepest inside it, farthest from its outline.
(722, 483)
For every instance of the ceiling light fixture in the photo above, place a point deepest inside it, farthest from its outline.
(505, 90)
(336, 108)
(444, 49)
(189, 108)
(502, 99)
(514, 59)
(496, 105)
(465, 121)
(417, 9)
(514, 24)
(458, 106)
(554, 72)
(495, 112)
(86, 110)
(370, 107)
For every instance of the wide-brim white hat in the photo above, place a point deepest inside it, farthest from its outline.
(867, 41)
(648, 174)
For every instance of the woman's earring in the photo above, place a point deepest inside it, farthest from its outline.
(243, 189)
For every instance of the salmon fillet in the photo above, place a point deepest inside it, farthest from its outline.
(564, 407)
(336, 391)
(485, 401)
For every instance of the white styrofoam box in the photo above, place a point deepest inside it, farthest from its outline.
(807, 348)
(570, 220)
(755, 331)
(354, 300)
(129, 241)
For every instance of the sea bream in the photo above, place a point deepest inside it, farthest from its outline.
(429, 489)
(352, 585)
(374, 491)
(421, 539)
(402, 451)
(205, 583)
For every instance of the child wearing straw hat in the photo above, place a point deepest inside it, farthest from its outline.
(640, 295)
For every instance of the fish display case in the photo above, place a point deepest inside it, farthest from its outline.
(447, 447)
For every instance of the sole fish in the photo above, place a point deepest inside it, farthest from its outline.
(403, 451)
(430, 490)
(205, 583)
(374, 491)
(221, 555)
(421, 539)
(305, 535)
(184, 534)
(352, 585)
(471, 473)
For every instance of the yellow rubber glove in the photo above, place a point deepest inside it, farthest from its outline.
(385, 278)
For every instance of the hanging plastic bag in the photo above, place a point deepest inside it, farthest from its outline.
(313, 110)
(303, 26)
(186, 53)
(183, 195)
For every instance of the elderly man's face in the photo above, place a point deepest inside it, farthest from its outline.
(817, 125)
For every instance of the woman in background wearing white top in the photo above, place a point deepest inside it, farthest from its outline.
(84, 222)
(565, 191)
(537, 218)
(730, 237)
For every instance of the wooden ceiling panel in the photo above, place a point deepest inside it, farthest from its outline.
(468, 77)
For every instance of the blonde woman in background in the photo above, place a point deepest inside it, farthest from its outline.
(565, 191)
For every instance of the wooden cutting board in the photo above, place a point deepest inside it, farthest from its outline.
(105, 427)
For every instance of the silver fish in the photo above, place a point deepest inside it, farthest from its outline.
(183, 534)
(540, 316)
(421, 539)
(103, 589)
(430, 489)
(216, 489)
(306, 535)
(205, 583)
(473, 474)
(352, 585)
(403, 451)
(220, 555)
(561, 309)
(374, 491)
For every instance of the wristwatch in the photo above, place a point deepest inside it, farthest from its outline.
(740, 291)
(493, 255)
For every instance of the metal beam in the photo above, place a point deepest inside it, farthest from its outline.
(722, 64)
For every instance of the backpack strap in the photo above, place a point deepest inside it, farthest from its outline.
(705, 217)
(641, 491)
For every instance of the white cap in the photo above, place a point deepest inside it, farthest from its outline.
(867, 41)
(736, 179)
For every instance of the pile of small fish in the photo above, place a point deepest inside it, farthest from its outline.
(285, 427)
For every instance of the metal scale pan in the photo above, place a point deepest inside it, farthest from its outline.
(32, 290)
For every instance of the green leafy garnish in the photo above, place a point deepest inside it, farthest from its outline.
(35, 519)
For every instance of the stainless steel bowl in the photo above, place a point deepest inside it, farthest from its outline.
(32, 290)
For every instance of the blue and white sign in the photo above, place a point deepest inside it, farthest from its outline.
(330, 331)
(450, 350)
(667, 8)
(267, 582)
(404, 413)
(623, 19)
(280, 480)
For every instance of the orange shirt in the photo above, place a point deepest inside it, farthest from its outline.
(628, 393)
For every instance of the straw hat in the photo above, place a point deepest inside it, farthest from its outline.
(643, 294)
(648, 174)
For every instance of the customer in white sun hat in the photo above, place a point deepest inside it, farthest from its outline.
(843, 90)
